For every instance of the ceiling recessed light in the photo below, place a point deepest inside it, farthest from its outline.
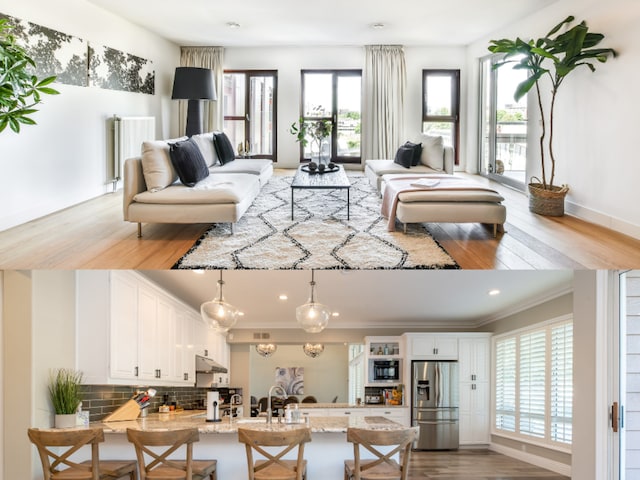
(233, 25)
(199, 272)
(241, 314)
(494, 292)
(283, 297)
(377, 26)
(335, 314)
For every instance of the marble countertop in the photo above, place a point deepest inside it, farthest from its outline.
(348, 405)
(195, 418)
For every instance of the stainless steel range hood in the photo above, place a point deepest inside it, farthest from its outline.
(207, 365)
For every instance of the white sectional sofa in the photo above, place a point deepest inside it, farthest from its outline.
(153, 193)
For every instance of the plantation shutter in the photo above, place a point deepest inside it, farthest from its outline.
(561, 401)
(505, 387)
(532, 383)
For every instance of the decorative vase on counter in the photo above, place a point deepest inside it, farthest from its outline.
(65, 420)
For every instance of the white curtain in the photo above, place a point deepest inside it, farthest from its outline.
(205, 57)
(385, 82)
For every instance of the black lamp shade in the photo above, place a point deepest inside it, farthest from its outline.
(193, 83)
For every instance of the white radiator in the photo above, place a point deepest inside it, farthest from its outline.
(128, 135)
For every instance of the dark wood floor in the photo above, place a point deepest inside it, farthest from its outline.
(474, 465)
(93, 235)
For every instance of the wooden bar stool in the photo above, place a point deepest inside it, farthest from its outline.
(159, 467)
(94, 469)
(383, 467)
(275, 467)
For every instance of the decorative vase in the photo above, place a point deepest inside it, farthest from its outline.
(548, 202)
(66, 420)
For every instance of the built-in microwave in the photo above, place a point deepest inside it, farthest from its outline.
(384, 371)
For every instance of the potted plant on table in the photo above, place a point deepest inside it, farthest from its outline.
(64, 391)
(318, 130)
(563, 53)
(20, 89)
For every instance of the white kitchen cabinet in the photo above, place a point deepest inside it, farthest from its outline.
(120, 312)
(348, 412)
(432, 346)
(127, 331)
(185, 364)
(314, 412)
(396, 414)
(475, 394)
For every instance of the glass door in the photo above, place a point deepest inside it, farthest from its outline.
(625, 413)
(333, 96)
(503, 124)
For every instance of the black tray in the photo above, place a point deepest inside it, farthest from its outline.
(305, 168)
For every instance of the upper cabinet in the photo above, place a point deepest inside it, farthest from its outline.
(432, 346)
(131, 332)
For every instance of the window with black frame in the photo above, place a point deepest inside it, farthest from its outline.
(333, 96)
(250, 112)
(441, 106)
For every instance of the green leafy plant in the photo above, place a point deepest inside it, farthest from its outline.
(563, 53)
(318, 130)
(64, 390)
(20, 90)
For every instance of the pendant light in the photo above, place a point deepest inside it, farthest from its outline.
(266, 349)
(313, 349)
(313, 317)
(218, 313)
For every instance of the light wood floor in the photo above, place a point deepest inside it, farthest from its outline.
(474, 465)
(93, 235)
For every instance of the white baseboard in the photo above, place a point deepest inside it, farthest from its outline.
(602, 219)
(541, 462)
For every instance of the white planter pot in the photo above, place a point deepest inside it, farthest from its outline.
(67, 420)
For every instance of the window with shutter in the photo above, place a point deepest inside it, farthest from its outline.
(506, 385)
(533, 390)
(561, 382)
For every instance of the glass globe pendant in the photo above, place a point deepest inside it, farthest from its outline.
(218, 313)
(313, 317)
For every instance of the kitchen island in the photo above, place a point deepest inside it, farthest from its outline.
(325, 453)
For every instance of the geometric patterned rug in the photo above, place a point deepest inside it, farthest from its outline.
(319, 237)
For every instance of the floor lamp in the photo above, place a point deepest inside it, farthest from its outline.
(194, 84)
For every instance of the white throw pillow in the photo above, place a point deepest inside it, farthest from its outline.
(432, 151)
(205, 144)
(156, 164)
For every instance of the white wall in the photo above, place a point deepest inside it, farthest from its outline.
(595, 130)
(63, 160)
(290, 60)
(39, 319)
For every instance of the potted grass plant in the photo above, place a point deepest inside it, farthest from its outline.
(552, 57)
(20, 89)
(64, 391)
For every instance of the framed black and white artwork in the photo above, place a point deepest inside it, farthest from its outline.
(54, 52)
(115, 70)
(291, 379)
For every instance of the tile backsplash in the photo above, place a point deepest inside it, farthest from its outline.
(101, 400)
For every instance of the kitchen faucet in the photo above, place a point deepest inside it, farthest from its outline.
(231, 405)
(269, 412)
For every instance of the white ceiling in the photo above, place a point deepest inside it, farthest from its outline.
(371, 298)
(330, 22)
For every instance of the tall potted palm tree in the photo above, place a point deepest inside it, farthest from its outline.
(554, 57)
(20, 89)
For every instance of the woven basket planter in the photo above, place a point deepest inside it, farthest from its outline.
(548, 202)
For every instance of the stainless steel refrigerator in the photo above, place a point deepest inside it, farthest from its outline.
(435, 404)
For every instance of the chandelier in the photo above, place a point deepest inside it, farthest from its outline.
(266, 349)
(313, 349)
(313, 317)
(218, 313)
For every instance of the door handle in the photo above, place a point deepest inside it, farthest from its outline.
(615, 425)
